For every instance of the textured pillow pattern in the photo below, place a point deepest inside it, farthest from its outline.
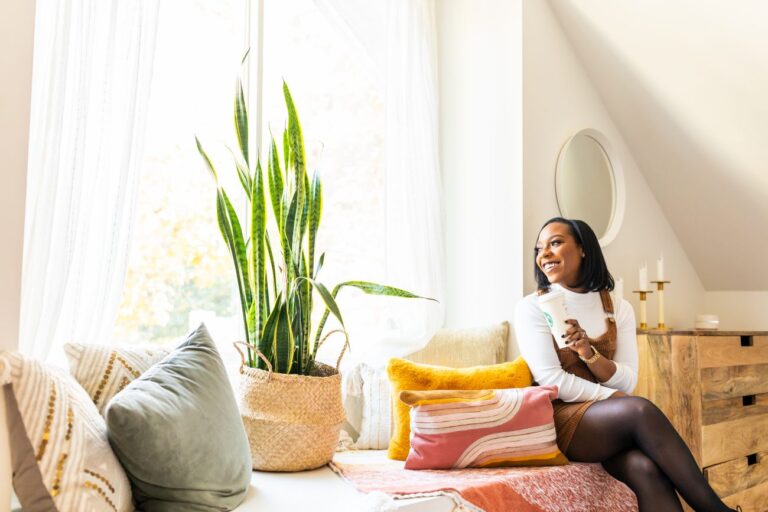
(481, 429)
(60, 455)
(460, 348)
(376, 409)
(408, 376)
(104, 371)
(178, 433)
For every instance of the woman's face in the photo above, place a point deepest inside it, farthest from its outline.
(558, 255)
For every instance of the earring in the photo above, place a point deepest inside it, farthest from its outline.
(583, 255)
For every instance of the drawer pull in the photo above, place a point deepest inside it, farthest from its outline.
(751, 459)
(746, 341)
(748, 400)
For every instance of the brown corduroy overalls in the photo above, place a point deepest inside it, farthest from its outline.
(569, 414)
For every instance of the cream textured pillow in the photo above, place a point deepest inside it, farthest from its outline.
(457, 348)
(60, 455)
(103, 371)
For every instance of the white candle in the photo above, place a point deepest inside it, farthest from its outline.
(660, 268)
(618, 290)
(644, 277)
(660, 298)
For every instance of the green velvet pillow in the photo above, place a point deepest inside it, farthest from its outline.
(177, 432)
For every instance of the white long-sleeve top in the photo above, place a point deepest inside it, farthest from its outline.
(535, 341)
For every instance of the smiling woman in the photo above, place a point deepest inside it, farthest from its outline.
(595, 418)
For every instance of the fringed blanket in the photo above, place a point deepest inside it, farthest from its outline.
(575, 487)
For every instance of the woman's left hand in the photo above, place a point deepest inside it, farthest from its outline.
(577, 340)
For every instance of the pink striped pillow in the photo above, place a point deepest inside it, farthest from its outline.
(482, 428)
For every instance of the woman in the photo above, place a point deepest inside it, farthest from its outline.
(596, 419)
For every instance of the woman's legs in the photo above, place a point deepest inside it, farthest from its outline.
(616, 425)
(653, 489)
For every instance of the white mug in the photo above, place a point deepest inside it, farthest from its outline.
(552, 305)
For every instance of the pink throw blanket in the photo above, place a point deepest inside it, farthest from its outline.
(575, 487)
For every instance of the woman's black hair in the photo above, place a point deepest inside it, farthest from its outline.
(594, 272)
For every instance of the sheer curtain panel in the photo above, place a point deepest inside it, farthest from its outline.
(400, 40)
(92, 71)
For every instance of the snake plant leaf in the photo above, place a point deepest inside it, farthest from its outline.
(305, 289)
(289, 231)
(324, 318)
(207, 160)
(275, 175)
(305, 210)
(319, 266)
(245, 56)
(314, 215)
(253, 333)
(297, 311)
(241, 260)
(286, 150)
(266, 343)
(380, 289)
(295, 138)
(243, 174)
(241, 121)
(328, 299)
(285, 342)
(272, 265)
(225, 226)
(258, 234)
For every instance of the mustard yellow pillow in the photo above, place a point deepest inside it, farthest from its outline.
(406, 375)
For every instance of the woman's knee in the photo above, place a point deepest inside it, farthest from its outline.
(637, 408)
(638, 465)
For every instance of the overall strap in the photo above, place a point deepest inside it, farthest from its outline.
(605, 297)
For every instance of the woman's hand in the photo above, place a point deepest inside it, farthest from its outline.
(577, 340)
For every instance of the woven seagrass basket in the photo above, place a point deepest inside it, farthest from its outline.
(292, 421)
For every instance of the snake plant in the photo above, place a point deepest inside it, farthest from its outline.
(276, 277)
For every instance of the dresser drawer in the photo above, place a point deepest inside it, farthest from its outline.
(720, 351)
(739, 474)
(733, 381)
(728, 440)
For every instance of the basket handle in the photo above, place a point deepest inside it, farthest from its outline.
(343, 349)
(258, 353)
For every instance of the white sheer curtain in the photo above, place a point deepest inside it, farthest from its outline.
(399, 37)
(92, 71)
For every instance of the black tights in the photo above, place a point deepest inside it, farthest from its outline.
(638, 445)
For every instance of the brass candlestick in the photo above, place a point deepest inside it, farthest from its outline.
(660, 289)
(643, 308)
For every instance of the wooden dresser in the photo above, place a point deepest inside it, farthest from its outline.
(713, 386)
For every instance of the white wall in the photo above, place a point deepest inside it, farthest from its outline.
(695, 126)
(738, 311)
(480, 68)
(17, 21)
(558, 100)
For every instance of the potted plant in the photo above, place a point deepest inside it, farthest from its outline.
(290, 403)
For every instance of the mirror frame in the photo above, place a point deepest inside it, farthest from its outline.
(614, 224)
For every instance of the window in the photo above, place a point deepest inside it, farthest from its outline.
(180, 272)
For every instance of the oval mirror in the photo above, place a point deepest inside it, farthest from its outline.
(589, 185)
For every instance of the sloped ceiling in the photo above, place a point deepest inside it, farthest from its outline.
(686, 82)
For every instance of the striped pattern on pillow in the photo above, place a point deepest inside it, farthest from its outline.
(104, 371)
(61, 455)
(482, 428)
